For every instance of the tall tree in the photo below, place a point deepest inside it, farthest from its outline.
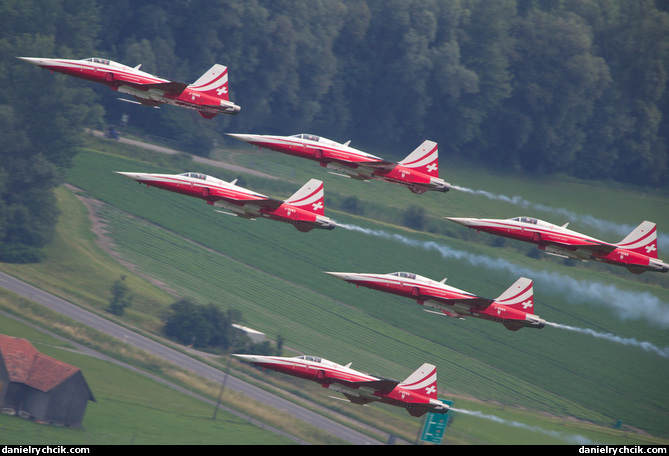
(42, 116)
(633, 38)
(557, 81)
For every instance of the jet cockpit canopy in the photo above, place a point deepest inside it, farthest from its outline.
(323, 361)
(196, 175)
(308, 136)
(412, 276)
(531, 220)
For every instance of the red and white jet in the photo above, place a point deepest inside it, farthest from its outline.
(208, 95)
(514, 308)
(417, 394)
(637, 252)
(304, 210)
(419, 172)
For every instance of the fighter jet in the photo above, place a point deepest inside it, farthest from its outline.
(304, 210)
(208, 95)
(637, 252)
(514, 308)
(417, 394)
(419, 171)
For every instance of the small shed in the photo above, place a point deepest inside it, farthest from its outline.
(34, 385)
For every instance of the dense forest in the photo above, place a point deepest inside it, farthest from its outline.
(576, 87)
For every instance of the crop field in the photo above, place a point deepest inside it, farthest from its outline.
(275, 276)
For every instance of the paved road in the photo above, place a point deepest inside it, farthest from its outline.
(196, 158)
(204, 370)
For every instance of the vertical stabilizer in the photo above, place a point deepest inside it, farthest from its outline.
(214, 82)
(520, 296)
(423, 380)
(424, 159)
(642, 240)
(311, 197)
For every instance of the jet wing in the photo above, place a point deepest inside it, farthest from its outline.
(376, 164)
(345, 158)
(244, 199)
(382, 165)
(585, 245)
(474, 301)
(384, 385)
(173, 88)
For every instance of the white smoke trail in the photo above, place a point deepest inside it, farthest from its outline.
(620, 229)
(573, 439)
(664, 352)
(627, 305)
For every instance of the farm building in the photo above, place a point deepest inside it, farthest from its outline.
(34, 385)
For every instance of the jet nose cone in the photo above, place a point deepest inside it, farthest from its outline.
(460, 220)
(139, 177)
(249, 358)
(34, 60)
(244, 357)
(242, 137)
(341, 275)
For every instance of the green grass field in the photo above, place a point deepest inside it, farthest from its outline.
(274, 275)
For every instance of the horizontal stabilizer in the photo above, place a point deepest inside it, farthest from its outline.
(512, 326)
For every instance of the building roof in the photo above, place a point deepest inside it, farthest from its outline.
(26, 365)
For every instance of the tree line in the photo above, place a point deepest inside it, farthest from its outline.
(198, 326)
(576, 87)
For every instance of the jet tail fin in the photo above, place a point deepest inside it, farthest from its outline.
(425, 158)
(214, 82)
(310, 197)
(642, 240)
(520, 295)
(424, 379)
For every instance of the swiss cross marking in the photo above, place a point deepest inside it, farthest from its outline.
(527, 304)
(222, 90)
(430, 389)
(317, 205)
(432, 167)
(650, 248)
